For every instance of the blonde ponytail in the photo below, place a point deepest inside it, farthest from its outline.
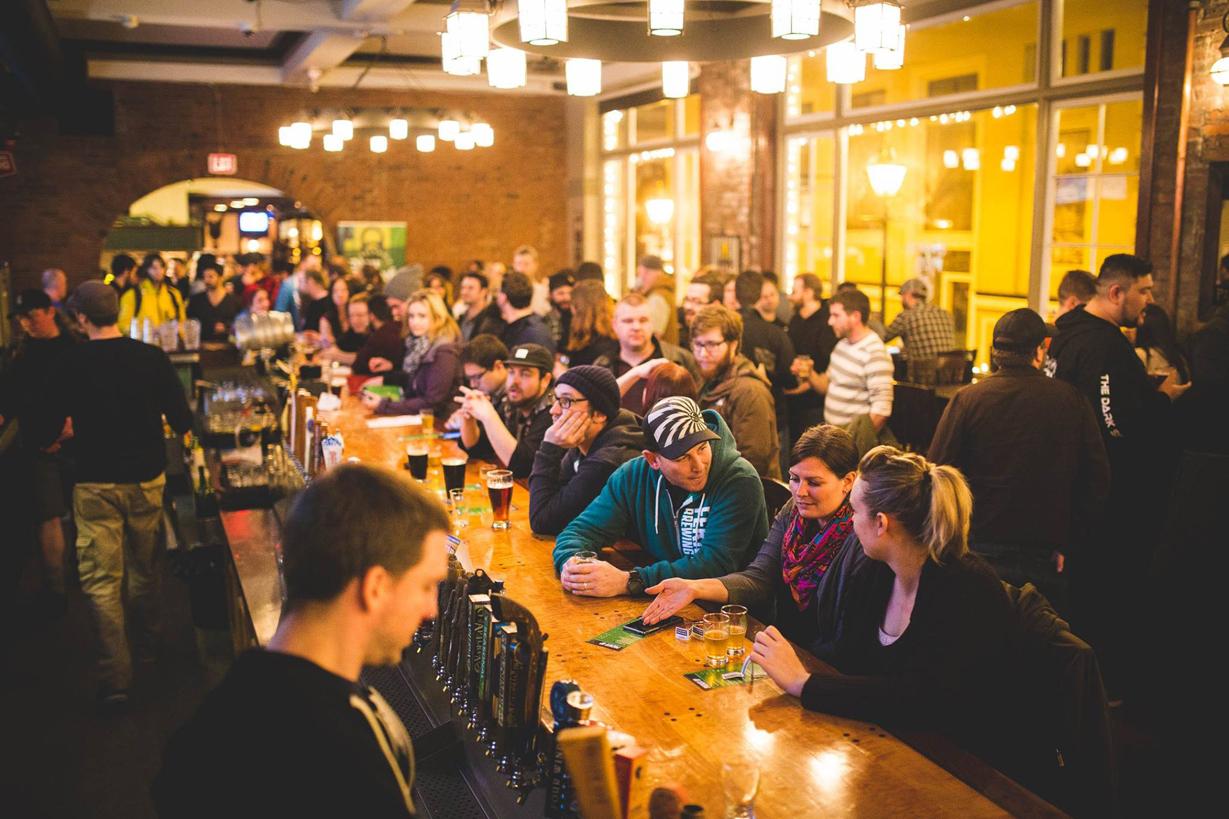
(932, 503)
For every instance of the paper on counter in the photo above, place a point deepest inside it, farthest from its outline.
(393, 421)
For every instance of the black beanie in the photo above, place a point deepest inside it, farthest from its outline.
(597, 384)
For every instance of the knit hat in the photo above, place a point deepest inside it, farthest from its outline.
(96, 301)
(404, 283)
(597, 384)
(675, 425)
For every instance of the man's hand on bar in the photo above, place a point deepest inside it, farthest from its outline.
(596, 579)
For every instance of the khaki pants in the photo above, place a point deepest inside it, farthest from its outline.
(117, 556)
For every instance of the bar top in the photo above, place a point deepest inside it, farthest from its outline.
(811, 764)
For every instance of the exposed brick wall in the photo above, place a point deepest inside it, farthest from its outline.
(737, 190)
(68, 190)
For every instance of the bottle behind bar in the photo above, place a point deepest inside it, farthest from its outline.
(206, 503)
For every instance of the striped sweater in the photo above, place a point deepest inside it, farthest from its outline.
(859, 380)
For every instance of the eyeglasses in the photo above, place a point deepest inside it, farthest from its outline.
(707, 347)
(475, 378)
(565, 403)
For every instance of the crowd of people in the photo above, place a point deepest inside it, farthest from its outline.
(674, 428)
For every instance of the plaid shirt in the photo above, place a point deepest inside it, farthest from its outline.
(926, 331)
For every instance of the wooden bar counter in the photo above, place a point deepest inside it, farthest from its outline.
(811, 764)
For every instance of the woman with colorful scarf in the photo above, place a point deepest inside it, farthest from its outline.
(797, 580)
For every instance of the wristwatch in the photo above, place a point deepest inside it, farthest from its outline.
(635, 583)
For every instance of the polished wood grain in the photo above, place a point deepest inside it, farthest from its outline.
(812, 764)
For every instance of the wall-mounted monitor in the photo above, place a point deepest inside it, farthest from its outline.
(254, 222)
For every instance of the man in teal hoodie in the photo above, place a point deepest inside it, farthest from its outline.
(690, 501)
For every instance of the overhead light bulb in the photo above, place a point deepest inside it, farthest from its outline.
(425, 143)
(1118, 156)
(665, 18)
(1007, 164)
(398, 128)
(951, 159)
(236, 204)
(448, 129)
(584, 77)
(659, 210)
(795, 19)
(301, 135)
(542, 22)
(768, 74)
(1012, 152)
(846, 63)
(469, 22)
(892, 59)
(886, 177)
(285, 135)
(464, 141)
(675, 79)
(1083, 161)
(379, 144)
(875, 25)
(970, 158)
(333, 143)
(220, 208)
(484, 134)
(506, 68)
(344, 128)
(454, 62)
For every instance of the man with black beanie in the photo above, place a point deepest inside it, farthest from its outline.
(589, 438)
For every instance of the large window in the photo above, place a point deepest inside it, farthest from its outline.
(964, 117)
(650, 188)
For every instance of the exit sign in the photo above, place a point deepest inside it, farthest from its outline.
(223, 164)
(7, 166)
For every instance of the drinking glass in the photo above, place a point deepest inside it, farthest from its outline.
(428, 421)
(454, 472)
(192, 335)
(460, 514)
(499, 489)
(740, 781)
(716, 639)
(416, 455)
(738, 630)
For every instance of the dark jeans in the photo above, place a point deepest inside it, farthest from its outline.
(1027, 564)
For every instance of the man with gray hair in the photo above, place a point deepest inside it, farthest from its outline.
(926, 330)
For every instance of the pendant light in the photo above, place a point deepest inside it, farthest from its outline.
(675, 79)
(506, 68)
(379, 144)
(454, 61)
(893, 58)
(484, 134)
(875, 25)
(584, 77)
(469, 23)
(846, 63)
(398, 128)
(333, 143)
(542, 22)
(425, 143)
(768, 74)
(795, 19)
(448, 129)
(343, 127)
(665, 18)
(464, 141)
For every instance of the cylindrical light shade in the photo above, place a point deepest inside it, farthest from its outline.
(398, 128)
(471, 28)
(893, 58)
(768, 74)
(484, 134)
(675, 79)
(846, 64)
(542, 22)
(970, 158)
(875, 25)
(665, 18)
(379, 144)
(886, 177)
(464, 141)
(425, 143)
(301, 133)
(333, 143)
(449, 128)
(951, 159)
(795, 19)
(285, 136)
(506, 68)
(584, 77)
(454, 62)
(344, 128)
(660, 210)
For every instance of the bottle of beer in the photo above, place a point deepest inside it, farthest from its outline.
(206, 503)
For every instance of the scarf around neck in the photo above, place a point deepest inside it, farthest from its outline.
(416, 348)
(804, 562)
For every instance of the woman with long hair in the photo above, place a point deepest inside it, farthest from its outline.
(440, 285)
(592, 329)
(668, 379)
(431, 370)
(1157, 346)
(344, 337)
(802, 570)
(152, 298)
(924, 628)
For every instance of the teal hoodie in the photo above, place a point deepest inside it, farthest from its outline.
(709, 534)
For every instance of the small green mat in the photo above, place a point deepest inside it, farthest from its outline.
(616, 638)
(390, 391)
(722, 677)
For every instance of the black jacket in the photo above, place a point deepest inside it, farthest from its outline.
(765, 343)
(1030, 449)
(530, 329)
(563, 482)
(487, 321)
(1135, 419)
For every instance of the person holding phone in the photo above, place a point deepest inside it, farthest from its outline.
(799, 577)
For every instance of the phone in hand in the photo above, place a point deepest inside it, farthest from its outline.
(637, 626)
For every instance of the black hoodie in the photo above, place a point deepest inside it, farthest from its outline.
(1134, 417)
(563, 482)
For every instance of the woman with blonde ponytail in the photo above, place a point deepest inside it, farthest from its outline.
(925, 628)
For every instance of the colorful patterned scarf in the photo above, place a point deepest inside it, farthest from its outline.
(804, 562)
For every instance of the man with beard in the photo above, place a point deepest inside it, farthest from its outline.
(640, 351)
(735, 388)
(701, 292)
(513, 430)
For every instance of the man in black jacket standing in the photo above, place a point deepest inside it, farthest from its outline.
(768, 346)
(1135, 419)
(116, 391)
(1029, 447)
(589, 438)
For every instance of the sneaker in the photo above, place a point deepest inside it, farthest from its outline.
(113, 699)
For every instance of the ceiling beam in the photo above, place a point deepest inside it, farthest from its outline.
(322, 51)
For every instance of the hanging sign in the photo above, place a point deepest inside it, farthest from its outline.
(8, 166)
(223, 164)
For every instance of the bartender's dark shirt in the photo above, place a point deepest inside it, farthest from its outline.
(322, 307)
(210, 315)
(385, 342)
(281, 736)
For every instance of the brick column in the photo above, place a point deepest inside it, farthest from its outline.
(738, 180)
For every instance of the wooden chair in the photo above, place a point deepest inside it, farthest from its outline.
(954, 367)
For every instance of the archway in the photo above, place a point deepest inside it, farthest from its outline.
(224, 217)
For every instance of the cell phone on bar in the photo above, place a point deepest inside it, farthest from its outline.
(637, 626)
